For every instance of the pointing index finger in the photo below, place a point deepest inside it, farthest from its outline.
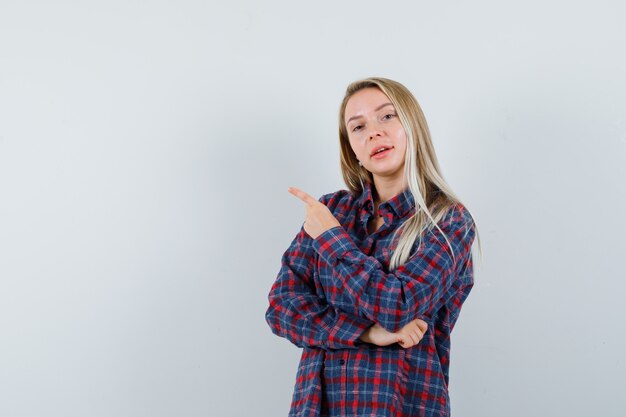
(302, 195)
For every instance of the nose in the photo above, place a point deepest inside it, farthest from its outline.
(375, 130)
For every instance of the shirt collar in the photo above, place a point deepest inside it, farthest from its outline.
(400, 204)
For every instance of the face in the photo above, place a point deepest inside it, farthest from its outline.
(373, 124)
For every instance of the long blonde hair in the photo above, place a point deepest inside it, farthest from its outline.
(432, 195)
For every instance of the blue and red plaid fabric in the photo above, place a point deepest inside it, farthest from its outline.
(329, 290)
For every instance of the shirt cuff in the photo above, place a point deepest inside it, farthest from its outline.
(333, 244)
(347, 332)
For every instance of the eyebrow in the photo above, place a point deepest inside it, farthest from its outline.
(377, 108)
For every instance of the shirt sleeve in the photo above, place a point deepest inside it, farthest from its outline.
(298, 314)
(414, 289)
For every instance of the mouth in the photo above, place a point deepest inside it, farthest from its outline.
(381, 151)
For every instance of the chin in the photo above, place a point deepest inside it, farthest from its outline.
(392, 172)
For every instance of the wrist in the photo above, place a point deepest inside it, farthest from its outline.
(365, 336)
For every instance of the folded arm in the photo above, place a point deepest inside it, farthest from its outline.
(414, 289)
(298, 314)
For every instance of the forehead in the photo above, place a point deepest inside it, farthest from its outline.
(364, 101)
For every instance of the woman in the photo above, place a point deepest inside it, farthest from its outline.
(373, 283)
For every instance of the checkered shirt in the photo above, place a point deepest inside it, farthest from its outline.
(331, 289)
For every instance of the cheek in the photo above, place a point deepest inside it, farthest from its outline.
(402, 139)
(402, 145)
(356, 146)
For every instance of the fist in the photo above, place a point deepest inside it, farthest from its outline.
(408, 336)
(411, 334)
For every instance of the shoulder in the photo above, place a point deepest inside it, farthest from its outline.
(458, 213)
(338, 201)
(457, 222)
(456, 230)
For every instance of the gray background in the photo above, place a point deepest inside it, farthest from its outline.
(145, 153)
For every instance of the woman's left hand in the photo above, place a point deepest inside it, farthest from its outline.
(318, 218)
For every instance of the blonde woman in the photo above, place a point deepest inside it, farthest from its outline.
(373, 283)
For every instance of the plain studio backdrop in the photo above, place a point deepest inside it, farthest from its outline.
(146, 149)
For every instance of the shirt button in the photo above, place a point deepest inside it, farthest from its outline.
(342, 362)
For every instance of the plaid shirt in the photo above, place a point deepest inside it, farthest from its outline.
(329, 290)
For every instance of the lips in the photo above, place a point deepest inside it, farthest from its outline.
(381, 148)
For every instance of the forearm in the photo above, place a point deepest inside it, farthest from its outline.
(307, 322)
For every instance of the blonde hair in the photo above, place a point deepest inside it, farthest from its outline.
(432, 195)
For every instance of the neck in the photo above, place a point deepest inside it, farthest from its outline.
(387, 188)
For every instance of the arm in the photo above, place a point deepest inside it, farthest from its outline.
(413, 290)
(295, 311)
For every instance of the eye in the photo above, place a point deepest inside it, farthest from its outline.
(389, 116)
(356, 128)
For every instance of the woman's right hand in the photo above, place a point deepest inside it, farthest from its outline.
(408, 336)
